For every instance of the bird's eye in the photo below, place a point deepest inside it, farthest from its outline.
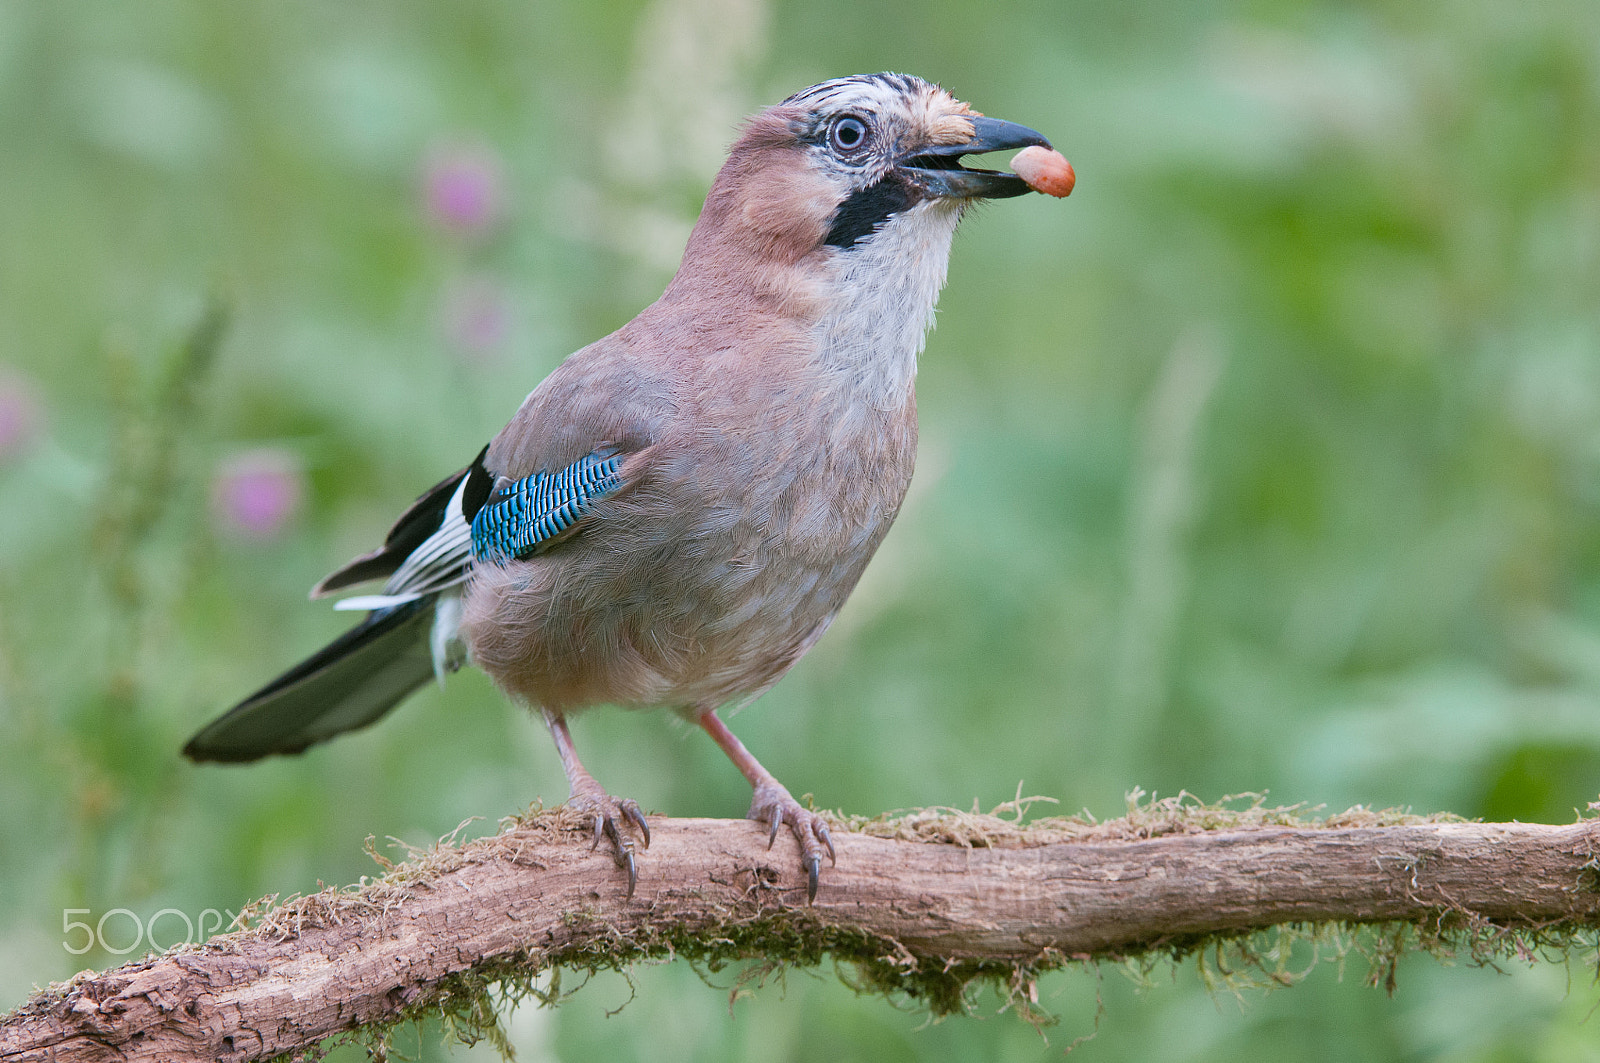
(848, 134)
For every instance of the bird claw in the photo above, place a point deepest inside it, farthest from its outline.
(630, 809)
(632, 865)
(773, 806)
(610, 814)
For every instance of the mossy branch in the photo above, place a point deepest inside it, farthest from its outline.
(923, 905)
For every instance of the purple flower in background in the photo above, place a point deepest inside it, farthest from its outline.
(477, 316)
(256, 493)
(465, 189)
(21, 416)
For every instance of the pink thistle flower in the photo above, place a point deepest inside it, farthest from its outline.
(464, 189)
(256, 493)
(21, 416)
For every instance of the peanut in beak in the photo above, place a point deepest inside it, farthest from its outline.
(1045, 171)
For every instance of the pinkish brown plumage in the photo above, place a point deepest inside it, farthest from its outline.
(676, 514)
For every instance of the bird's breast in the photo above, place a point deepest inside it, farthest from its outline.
(804, 468)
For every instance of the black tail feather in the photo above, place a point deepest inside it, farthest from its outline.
(346, 685)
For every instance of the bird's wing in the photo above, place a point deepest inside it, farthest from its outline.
(620, 392)
(513, 521)
(428, 550)
(560, 454)
(419, 523)
(403, 642)
(527, 516)
(444, 558)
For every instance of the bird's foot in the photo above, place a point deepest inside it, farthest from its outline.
(611, 817)
(774, 806)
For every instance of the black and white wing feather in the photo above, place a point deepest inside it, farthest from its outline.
(409, 633)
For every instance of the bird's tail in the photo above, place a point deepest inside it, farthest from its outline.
(347, 684)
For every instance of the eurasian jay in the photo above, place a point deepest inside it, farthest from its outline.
(676, 514)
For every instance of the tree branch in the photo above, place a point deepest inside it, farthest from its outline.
(921, 904)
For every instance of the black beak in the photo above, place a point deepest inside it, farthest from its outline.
(938, 170)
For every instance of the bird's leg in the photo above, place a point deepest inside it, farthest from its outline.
(773, 804)
(589, 796)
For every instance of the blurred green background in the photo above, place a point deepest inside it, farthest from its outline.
(1268, 461)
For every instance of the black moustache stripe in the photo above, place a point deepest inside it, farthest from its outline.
(859, 216)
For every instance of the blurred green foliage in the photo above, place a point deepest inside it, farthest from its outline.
(1268, 461)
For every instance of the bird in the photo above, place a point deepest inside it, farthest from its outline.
(674, 516)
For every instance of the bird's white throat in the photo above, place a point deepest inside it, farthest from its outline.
(882, 300)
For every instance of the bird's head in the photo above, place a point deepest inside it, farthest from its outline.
(851, 163)
(888, 143)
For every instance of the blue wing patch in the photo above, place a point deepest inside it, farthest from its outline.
(519, 517)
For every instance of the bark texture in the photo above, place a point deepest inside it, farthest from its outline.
(536, 896)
